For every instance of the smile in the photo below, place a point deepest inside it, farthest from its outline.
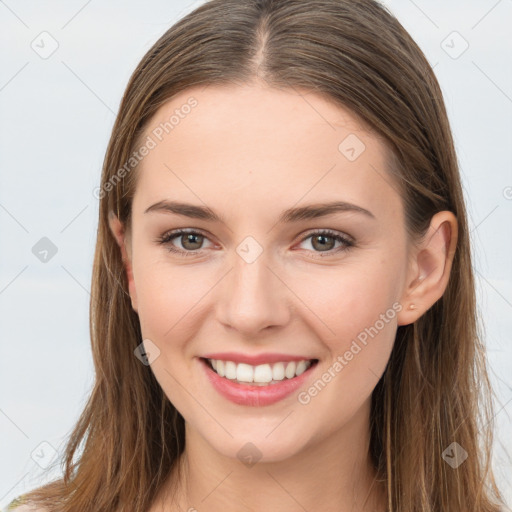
(262, 374)
(251, 392)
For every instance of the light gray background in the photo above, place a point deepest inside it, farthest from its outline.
(56, 115)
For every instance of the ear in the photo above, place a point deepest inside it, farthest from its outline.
(430, 266)
(119, 231)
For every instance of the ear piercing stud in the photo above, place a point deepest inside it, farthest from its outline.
(412, 306)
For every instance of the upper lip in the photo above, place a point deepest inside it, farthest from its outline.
(255, 360)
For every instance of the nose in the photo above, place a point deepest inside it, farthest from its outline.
(253, 297)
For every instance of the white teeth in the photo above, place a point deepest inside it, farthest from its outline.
(278, 371)
(290, 370)
(301, 368)
(219, 367)
(261, 374)
(244, 372)
(230, 369)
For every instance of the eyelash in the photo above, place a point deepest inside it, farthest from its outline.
(168, 237)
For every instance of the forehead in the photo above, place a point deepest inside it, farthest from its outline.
(254, 145)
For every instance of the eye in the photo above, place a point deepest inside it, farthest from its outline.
(191, 241)
(325, 240)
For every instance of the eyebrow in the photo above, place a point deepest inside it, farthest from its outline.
(312, 211)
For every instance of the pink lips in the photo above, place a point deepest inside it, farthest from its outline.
(245, 394)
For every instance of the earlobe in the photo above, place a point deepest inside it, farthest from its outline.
(119, 232)
(430, 270)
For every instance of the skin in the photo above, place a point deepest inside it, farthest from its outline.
(248, 153)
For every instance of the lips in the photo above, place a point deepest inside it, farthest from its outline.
(254, 395)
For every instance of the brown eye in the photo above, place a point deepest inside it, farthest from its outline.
(325, 241)
(191, 241)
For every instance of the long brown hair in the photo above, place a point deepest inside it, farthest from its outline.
(435, 389)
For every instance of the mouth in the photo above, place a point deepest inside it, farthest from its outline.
(267, 374)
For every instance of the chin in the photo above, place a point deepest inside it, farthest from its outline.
(261, 447)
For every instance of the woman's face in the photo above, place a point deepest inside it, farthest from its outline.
(254, 282)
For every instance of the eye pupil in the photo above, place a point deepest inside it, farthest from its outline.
(190, 238)
(322, 238)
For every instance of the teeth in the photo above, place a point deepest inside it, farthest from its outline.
(244, 373)
(261, 374)
(230, 370)
(278, 371)
(301, 367)
(290, 370)
(219, 367)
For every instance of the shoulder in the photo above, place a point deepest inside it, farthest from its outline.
(20, 504)
(25, 508)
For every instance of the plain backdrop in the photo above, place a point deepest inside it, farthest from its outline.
(63, 69)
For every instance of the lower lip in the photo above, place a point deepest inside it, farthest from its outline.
(245, 394)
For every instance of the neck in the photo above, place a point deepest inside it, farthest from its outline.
(333, 474)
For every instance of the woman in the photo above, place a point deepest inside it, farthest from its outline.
(316, 347)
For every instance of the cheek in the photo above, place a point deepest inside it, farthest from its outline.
(347, 300)
(166, 299)
(173, 301)
(356, 320)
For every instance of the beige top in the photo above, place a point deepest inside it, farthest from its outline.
(20, 504)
